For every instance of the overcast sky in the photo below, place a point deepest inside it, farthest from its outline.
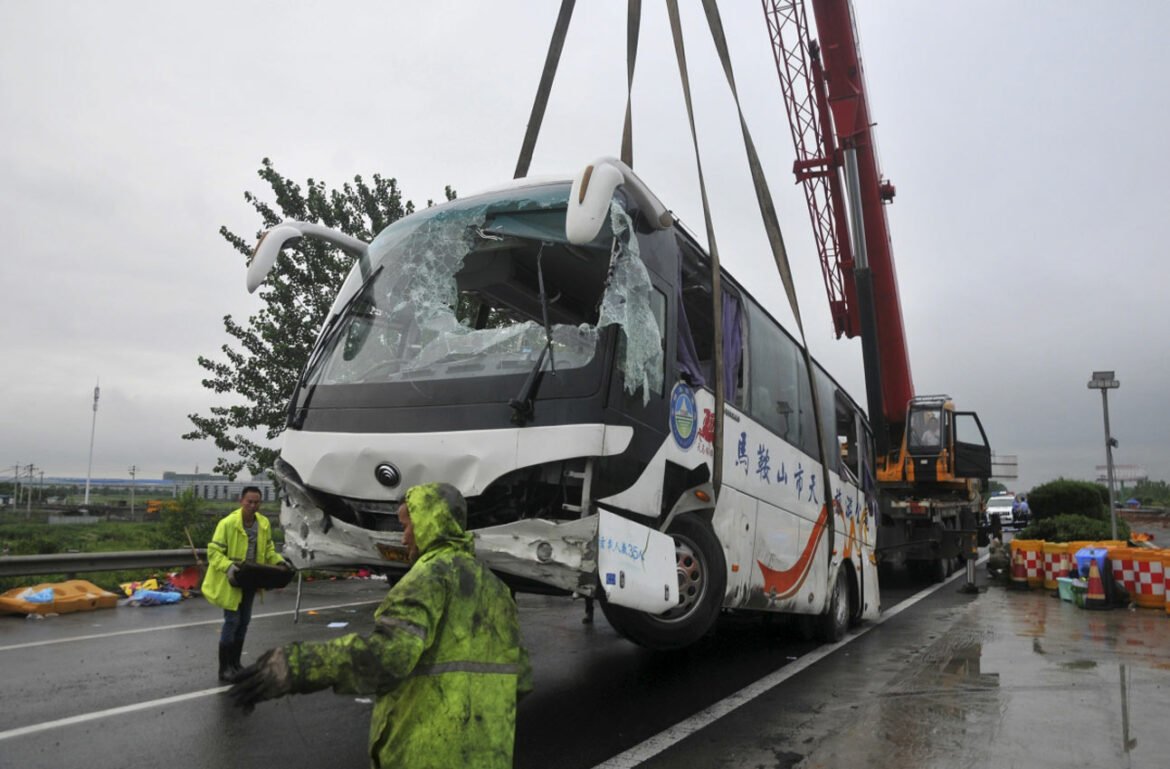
(1026, 142)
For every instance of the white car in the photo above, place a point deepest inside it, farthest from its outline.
(1002, 506)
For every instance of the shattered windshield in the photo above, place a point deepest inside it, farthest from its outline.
(465, 290)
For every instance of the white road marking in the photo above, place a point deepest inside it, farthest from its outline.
(218, 621)
(626, 760)
(669, 737)
(84, 717)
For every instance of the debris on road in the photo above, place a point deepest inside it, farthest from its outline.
(154, 598)
(57, 598)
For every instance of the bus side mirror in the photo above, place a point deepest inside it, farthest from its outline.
(593, 189)
(266, 251)
(287, 232)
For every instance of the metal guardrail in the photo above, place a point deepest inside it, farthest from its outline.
(73, 563)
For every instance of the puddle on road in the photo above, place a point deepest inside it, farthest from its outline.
(1078, 687)
(1018, 679)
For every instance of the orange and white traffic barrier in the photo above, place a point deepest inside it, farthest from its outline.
(1124, 572)
(1056, 563)
(1019, 578)
(1033, 550)
(1026, 563)
(1165, 571)
(1148, 578)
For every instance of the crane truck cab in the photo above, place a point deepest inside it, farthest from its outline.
(939, 445)
(931, 481)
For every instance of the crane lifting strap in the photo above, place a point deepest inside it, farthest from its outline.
(633, 23)
(552, 59)
(546, 80)
(775, 239)
(716, 281)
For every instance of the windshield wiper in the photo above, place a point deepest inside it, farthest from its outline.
(522, 404)
(544, 310)
(328, 334)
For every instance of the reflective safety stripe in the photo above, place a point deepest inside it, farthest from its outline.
(465, 667)
(395, 623)
(219, 545)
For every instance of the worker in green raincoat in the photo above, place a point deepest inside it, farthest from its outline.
(445, 658)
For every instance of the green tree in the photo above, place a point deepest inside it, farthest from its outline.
(274, 344)
(185, 516)
(1151, 493)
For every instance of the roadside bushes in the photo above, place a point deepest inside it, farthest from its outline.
(183, 516)
(1073, 528)
(1063, 498)
(1070, 511)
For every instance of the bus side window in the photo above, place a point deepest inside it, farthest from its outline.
(827, 400)
(734, 328)
(696, 329)
(808, 416)
(847, 438)
(696, 333)
(772, 377)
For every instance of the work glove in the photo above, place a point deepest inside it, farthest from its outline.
(231, 574)
(266, 679)
(286, 565)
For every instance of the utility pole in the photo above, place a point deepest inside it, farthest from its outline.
(28, 489)
(1106, 381)
(92, 428)
(133, 472)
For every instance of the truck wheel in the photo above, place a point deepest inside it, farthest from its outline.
(928, 570)
(831, 625)
(702, 580)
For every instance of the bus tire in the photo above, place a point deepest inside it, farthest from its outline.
(832, 625)
(702, 577)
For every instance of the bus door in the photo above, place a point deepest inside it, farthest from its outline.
(847, 468)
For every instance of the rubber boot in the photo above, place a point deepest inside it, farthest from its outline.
(226, 672)
(237, 649)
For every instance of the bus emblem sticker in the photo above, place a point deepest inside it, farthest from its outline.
(683, 422)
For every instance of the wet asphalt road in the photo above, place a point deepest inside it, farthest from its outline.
(596, 695)
(931, 686)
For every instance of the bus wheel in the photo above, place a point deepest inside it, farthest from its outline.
(702, 580)
(831, 625)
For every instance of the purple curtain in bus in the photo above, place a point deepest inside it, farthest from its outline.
(732, 344)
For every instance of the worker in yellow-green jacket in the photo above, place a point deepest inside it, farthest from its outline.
(241, 537)
(444, 660)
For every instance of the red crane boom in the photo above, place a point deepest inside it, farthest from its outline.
(824, 93)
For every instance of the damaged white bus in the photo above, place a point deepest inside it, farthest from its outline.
(547, 348)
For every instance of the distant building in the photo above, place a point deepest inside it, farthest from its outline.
(206, 485)
(221, 489)
(174, 477)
